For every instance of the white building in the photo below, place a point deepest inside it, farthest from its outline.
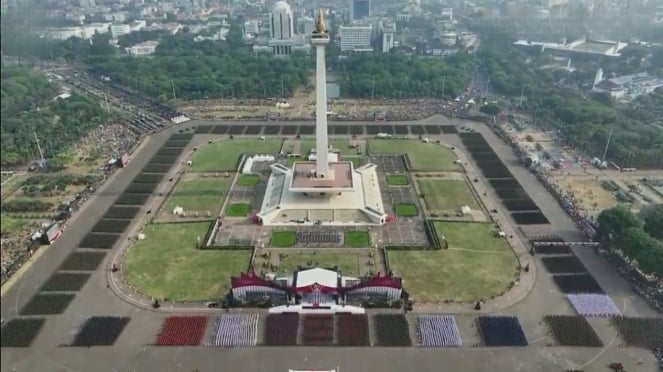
(387, 37)
(118, 30)
(143, 49)
(629, 86)
(355, 38)
(447, 14)
(84, 32)
(87, 3)
(307, 24)
(281, 22)
(252, 27)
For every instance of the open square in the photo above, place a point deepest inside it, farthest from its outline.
(397, 180)
(21, 332)
(446, 195)
(501, 331)
(238, 210)
(476, 264)
(438, 331)
(100, 331)
(423, 156)
(161, 265)
(233, 330)
(283, 239)
(348, 263)
(224, 155)
(405, 210)
(570, 330)
(356, 239)
(199, 194)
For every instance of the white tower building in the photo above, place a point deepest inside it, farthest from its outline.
(320, 41)
(281, 25)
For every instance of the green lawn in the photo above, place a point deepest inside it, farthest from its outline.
(10, 224)
(348, 263)
(356, 161)
(238, 210)
(443, 195)
(423, 156)
(248, 180)
(222, 156)
(166, 264)
(283, 238)
(356, 239)
(405, 210)
(199, 194)
(397, 180)
(476, 265)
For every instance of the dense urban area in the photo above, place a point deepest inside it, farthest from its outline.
(573, 89)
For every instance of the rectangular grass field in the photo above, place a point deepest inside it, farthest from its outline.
(444, 195)
(166, 264)
(222, 156)
(476, 265)
(200, 194)
(348, 263)
(423, 156)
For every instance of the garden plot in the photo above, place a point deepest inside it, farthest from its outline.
(570, 284)
(21, 332)
(233, 330)
(423, 156)
(170, 151)
(156, 168)
(203, 129)
(253, 130)
(447, 195)
(182, 331)
(176, 143)
(449, 129)
(236, 129)
(132, 199)
(224, 155)
(501, 331)
(97, 240)
(127, 213)
(198, 194)
(100, 331)
(180, 136)
(593, 305)
(113, 226)
(47, 304)
(572, 330)
(392, 330)
(640, 332)
(164, 159)
(438, 331)
(83, 261)
(271, 130)
(520, 205)
(352, 330)
(563, 265)
(148, 178)
(220, 129)
(281, 329)
(318, 330)
(141, 188)
(66, 282)
(530, 218)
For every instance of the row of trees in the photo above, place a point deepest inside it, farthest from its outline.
(397, 75)
(584, 122)
(644, 244)
(29, 107)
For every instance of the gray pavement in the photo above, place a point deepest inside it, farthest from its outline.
(132, 353)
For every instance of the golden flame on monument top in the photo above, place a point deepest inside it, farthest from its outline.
(320, 23)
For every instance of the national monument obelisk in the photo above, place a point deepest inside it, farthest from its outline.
(320, 39)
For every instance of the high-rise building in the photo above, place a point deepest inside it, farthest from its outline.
(281, 22)
(355, 38)
(360, 9)
(387, 36)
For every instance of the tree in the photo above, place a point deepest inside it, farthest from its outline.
(651, 260)
(612, 222)
(490, 109)
(235, 36)
(654, 222)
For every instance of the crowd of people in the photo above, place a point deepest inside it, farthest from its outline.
(651, 292)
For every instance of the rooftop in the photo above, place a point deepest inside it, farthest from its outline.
(340, 176)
